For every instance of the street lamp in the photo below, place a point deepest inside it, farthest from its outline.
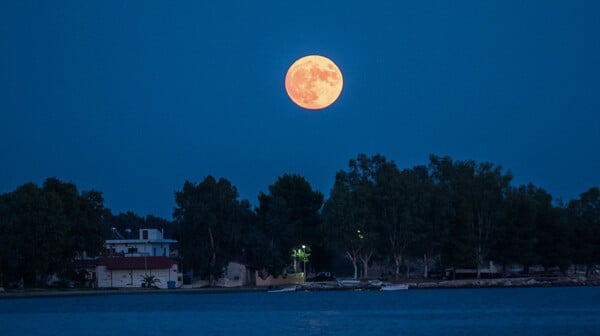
(304, 259)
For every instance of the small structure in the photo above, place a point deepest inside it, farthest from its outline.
(286, 279)
(235, 275)
(123, 272)
(151, 242)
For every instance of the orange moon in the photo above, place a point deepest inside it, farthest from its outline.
(314, 82)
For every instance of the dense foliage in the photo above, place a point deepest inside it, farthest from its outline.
(449, 214)
(209, 218)
(127, 225)
(42, 229)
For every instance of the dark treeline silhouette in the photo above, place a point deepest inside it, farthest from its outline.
(126, 225)
(43, 229)
(448, 214)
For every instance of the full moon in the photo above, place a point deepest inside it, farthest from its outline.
(314, 82)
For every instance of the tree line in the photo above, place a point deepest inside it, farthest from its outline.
(450, 213)
(457, 213)
(43, 229)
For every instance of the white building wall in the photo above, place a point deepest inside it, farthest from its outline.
(134, 278)
(152, 234)
(103, 277)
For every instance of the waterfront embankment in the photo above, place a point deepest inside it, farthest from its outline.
(562, 281)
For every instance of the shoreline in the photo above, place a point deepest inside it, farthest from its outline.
(512, 282)
(42, 292)
(416, 284)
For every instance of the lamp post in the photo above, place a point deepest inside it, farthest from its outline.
(304, 260)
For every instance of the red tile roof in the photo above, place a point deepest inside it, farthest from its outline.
(131, 263)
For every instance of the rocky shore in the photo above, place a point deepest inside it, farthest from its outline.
(42, 292)
(506, 282)
(464, 283)
(316, 286)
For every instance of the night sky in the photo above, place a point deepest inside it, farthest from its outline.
(132, 98)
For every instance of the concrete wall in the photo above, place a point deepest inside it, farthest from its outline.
(152, 234)
(290, 279)
(236, 275)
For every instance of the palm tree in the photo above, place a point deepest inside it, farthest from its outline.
(149, 281)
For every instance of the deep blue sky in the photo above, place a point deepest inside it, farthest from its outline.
(132, 98)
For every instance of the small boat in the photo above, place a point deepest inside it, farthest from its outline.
(282, 289)
(375, 283)
(349, 283)
(394, 287)
(316, 286)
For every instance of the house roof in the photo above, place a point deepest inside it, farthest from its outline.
(131, 263)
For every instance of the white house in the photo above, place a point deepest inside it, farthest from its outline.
(151, 242)
(119, 272)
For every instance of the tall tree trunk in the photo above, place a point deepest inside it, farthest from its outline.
(213, 259)
(398, 262)
(353, 258)
(365, 258)
(478, 261)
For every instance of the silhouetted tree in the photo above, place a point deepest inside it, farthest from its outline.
(209, 217)
(128, 224)
(584, 219)
(517, 239)
(288, 217)
(43, 229)
(476, 193)
(350, 214)
(554, 234)
(83, 214)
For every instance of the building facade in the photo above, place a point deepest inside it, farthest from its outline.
(129, 272)
(150, 242)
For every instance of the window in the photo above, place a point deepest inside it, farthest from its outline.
(145, 234)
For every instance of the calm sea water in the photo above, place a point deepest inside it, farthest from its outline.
(506, 311)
